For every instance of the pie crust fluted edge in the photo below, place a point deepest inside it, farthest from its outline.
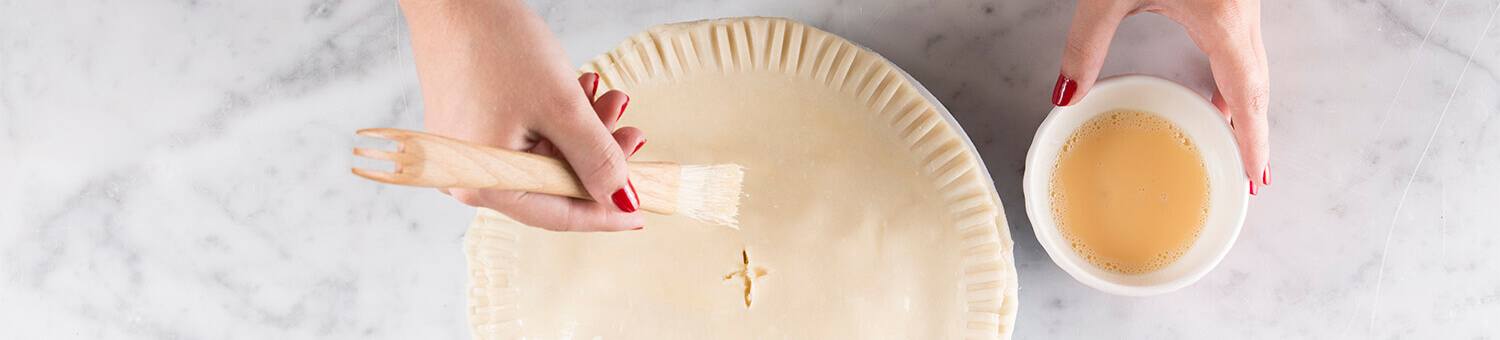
(730, 45)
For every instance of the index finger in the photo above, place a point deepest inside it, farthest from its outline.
(1237, 59)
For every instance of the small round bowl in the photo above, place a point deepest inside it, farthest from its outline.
(1201, 122)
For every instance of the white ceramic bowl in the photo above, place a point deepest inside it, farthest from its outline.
(1228, 186)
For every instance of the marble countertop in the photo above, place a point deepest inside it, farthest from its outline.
(178, 169)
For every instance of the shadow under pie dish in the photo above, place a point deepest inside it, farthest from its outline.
(867, 213)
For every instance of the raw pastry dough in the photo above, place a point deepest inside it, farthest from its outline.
(866, 215)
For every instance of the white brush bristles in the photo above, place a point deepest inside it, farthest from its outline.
(711, 193)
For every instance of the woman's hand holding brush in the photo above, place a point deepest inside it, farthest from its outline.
(492, 74)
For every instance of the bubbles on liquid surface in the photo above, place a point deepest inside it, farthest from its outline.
(1091, 131)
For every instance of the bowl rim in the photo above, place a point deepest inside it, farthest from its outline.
(1044, 228)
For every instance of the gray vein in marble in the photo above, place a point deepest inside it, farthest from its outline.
(224, 206)
(100, 195)
(1415, 57)
(1442, 44)
(322, 9)
(334, 58)
(1401, 202)
(400, 107)
(1484, 129)
(1426, 35)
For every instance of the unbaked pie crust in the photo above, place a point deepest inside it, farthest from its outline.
(866, 214)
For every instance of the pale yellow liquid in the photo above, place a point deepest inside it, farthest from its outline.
(1129, 192)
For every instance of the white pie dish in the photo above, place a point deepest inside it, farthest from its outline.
(1201, 122)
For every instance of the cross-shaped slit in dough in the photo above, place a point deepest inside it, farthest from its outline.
(747, 275)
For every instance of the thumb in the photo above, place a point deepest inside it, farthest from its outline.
(1093, 27)
(594, 155)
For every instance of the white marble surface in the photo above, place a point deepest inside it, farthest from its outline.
(177, 169)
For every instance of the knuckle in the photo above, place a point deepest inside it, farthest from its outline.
(608, 161)
(1258, 100)
(543, 223)
(567, 106)
(560, 227)
(576, 108)
(1225, 8)
(613, 93)
(1226, 18)
(1077, 46)
(468, 197)
(539, 219)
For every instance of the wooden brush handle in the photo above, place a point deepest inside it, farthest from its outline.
(444, 162)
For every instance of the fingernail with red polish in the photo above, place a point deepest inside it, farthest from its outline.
(638, 228)
(1252, 188)
(596, 88)
(622, 107)
(638, 147)
(1063, 91)
(1265, 176)
(625, 198)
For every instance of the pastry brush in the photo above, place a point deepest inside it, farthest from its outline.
(707, 193)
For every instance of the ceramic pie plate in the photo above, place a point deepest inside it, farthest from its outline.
(867, 212)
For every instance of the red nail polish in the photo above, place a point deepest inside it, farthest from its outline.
(625, 198)
(595, 90)
(638, 147)
(638, 228)
(1063, 91)
(1265, 175)
(622, 108)
(1252, 188)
